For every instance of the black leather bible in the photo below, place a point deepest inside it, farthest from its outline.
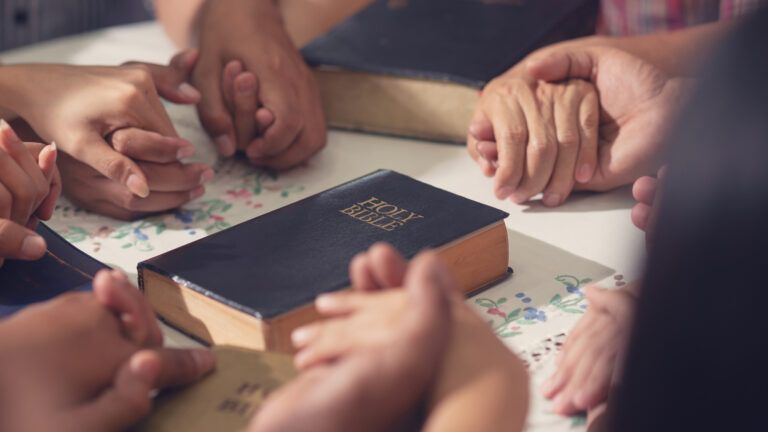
(252, 284)
(63, 268)
(414, 67)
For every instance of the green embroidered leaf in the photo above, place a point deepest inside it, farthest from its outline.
(556, 299)
(160, 228)
(514, 314)
(484, 302)
(585, 281)
(573, 310)
(509, 334)
(127, 245)
(501, 301)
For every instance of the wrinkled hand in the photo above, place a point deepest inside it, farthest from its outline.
(29, 188)
(94, 370)
(638, 103)
(257, 92)
(592, 355)
(534, 136)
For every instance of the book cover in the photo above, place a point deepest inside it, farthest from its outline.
(282, 260)
(225, 400)
(63, 268)
(414, 68)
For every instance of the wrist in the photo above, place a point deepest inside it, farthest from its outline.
(9, 94)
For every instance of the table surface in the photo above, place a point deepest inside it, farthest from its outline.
(592, 228)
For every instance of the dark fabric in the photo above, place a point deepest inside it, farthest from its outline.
(24, 22)
(698, 354)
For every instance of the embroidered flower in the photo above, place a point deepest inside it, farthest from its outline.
(496, 311)
(533, 314)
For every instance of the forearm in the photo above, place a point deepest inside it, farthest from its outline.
(677, 53)
(481, 384)
(9, 95)
(304, 20)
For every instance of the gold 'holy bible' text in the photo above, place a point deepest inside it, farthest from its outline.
(381, 214)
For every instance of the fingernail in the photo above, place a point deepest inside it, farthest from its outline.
(325, 301)
(137, 186)
(189, 92)
(119, 275)
(206, 176)
(185, 151)
(518, 198)
(301, 336)
(225, 145)
(54, 149)
(584, 173)
(197, 193)
(142, 368)
(551, 199)
(32, 247)
(245, 85)
(504, 192)
(204, 359)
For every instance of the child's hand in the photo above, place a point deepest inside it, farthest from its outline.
(535, 137)
(72, 361)
(285, 119)
(592, 353)
(29, 187)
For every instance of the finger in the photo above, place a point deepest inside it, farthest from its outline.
(387, 265)
(641, 216)
(563, 64)
(46, 160)
(113, 291)
(322, 342)
(360, 274)
(541, 150)
(212, 110)
(176, 177)
(18, 242)
(123, 404)
(554, 384)
(566, 114)
(172, 80)
(644, 190)
(12, 144)
(46, 208)
(565, 403)
(183, 366)
(264, 119)
(21, 199)
(589, 122)
(231, 71)
(305, 147)
(489, 157)
(511, 132)
(116, 200)
(481, 128)
(279, 137)
(246, 90)
(148, 109)
(339, 303)
(139, 144)
(110, 163)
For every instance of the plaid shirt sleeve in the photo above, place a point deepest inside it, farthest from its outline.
(636, 17)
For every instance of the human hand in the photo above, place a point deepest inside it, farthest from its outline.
(399, 350)
(638, 102)
(646, 191)
(592, 355)
(267, 104)
(95, 368)
(535, 136)
(29, 187)
(108, 117)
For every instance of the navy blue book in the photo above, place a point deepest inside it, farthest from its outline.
(63, 268)
(252, 284)
(414, 67)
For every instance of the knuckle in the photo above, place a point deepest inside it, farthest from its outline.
(114, 167)
(130, 95)
(540, 145)
(590, 119)
(121, 141)
(568, 139)
(140, 73)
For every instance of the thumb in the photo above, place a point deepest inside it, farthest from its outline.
(18, 242)
(125, 403)
(112, 164)
(172, 80)
(565, 63)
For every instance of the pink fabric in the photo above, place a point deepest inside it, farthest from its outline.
(635, 17)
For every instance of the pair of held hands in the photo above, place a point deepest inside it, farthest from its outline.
(88, 361)
(572, 118)
(121, 155)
